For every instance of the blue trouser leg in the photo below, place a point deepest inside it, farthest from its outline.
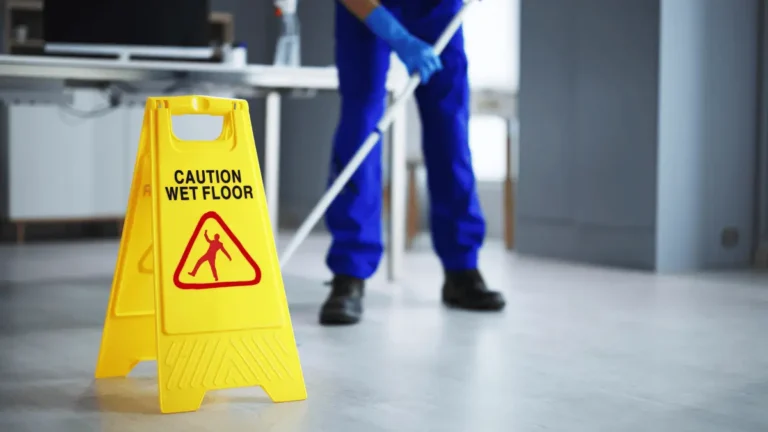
(354, 218)
(456, 219)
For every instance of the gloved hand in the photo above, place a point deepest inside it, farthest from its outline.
(417, 55)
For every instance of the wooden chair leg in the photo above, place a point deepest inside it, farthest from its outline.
(509, 196)
(385, 199)
(509, 214)
(413, 207)
(20, 232)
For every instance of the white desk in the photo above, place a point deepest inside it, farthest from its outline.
(30, 74)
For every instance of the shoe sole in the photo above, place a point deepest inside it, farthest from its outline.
(480, 307)
(338, 320)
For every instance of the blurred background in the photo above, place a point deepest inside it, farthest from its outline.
(641, 128)
(306, 128)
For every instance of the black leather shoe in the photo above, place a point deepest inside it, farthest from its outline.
(344, 305)
(467, 290)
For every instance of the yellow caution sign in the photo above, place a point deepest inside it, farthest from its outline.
(198, 284)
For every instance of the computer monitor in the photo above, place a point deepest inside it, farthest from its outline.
(157, 24)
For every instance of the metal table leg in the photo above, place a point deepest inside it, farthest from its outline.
(397, 190)
(272, 158)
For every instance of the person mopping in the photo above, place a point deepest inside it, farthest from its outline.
(366, 33)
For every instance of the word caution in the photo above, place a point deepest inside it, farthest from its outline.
(208, 185)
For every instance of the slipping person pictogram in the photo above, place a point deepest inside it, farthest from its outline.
(214, 246)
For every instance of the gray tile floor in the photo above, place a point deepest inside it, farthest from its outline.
(578, 349)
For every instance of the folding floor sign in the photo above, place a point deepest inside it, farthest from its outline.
(198, 285)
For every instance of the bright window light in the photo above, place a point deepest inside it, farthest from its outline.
(492, 34)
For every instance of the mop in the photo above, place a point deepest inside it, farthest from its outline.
(386, 120)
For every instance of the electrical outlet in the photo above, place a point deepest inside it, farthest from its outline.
(729, 237)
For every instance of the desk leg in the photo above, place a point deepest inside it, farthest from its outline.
(397, 192)
(272, 158)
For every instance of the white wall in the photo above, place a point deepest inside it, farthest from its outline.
(707, 132)
(65, 167)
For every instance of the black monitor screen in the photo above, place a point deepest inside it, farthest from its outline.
(179, 23)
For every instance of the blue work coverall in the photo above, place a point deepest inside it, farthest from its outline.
(355, 217)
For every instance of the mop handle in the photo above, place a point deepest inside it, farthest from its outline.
(386, 120)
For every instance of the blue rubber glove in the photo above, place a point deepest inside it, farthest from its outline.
(417, 55)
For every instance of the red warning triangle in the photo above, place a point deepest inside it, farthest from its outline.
(215, 246)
